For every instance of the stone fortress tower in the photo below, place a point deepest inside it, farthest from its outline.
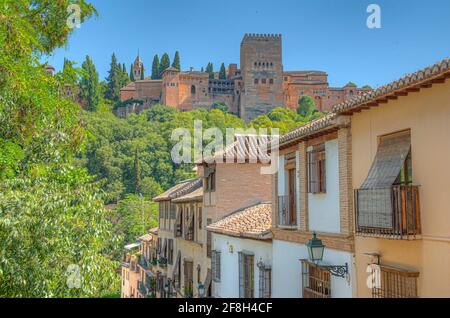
(262, 74)
(258, 86)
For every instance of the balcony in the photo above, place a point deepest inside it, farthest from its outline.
(287, 211)
(162, 262)
(392, 212)
(145, 264)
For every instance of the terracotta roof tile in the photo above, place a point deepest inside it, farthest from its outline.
(418, 77)
(180, 189)
(253, 222)
(196, 195)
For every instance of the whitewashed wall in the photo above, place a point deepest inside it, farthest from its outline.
(323, 209)
(287, 273)
(229, 282)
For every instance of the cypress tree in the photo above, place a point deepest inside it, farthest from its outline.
(155, 67)
(125, 77)
(223, 72)
(142, 72)
(131, 73)
(164, 64)
(210, 70)
(176, 61)
(89, 85)
(113, 80)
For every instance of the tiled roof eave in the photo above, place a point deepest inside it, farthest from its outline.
(264, 235)
(436, 73)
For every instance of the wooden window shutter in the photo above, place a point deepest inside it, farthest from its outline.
(241, 275)
(218, 266)
(213, 265)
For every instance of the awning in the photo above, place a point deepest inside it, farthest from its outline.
(391, 155)
(175, 267)
(374, 198)
(132, 246)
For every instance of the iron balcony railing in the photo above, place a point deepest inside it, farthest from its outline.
(389, 212)
(162, 262)
(286, 211)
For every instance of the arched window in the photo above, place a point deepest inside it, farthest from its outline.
(193, 89)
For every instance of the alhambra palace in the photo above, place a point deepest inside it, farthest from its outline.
(259, 85)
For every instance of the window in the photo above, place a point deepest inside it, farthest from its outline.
(215, 265)
(263, 81)
(208, 240)
(246, 275)
(271, 81)
(316, 281)
(210, 185)
(188, 279)
(170, 252)
(392, 282)
(200, 218)
(317, 169)
(193, 89)
(405, 176)
(256, 81)
(265, 281)
(199, 274)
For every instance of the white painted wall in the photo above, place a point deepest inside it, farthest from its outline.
(229, 282)
(323, 209)
(287, 273)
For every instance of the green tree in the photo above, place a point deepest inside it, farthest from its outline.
(176, 61)
(155, 68)
(222, 72)
(52, 216)
(210, 70)
(306, 106)
(368, 87)
(131, 73)
(142, 72)
(125, 76)
(137, 173)
(150, 188)
(89, 85)
(114, 81)
(221, 106)
(164, 64)
(135, 216)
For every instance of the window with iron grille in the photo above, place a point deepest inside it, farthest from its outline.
(208, 240)
(170, 252)
(159, 246)
(393, 282)
(210, 184)
(246, 275)
(215, 265)
(188, 278)
(265, 281)
(317, 169)
(316, 281)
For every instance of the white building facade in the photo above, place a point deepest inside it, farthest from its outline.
(242, 254)
(312, 195)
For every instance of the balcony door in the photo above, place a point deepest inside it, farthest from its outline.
(292, 218)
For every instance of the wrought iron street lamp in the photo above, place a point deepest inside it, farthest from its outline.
(315, 251)
(201, 291)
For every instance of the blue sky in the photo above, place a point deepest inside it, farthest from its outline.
(328, 35)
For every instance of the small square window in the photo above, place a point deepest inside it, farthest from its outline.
(256, 81)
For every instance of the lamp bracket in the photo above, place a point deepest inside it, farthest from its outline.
(337, 270)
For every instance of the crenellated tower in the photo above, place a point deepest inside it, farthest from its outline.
(262, 74)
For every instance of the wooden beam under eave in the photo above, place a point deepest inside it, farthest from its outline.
(393, 97)
(412, 90)
(438, 80)
(401, 93)
(428, 85)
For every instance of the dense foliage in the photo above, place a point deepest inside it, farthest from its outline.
(52, 214)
